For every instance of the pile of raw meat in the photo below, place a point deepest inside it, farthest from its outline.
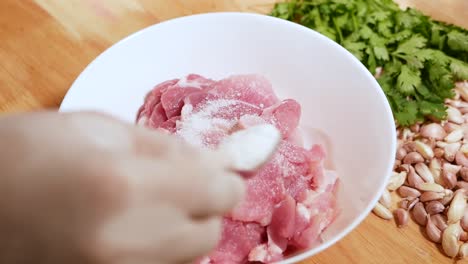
(289, 201)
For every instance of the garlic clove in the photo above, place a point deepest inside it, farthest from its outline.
(424, 172)
(450, 179)
(464, 220)
(386, 199)
(451, 168)
(382, 212)
(435, 167)
(408, 203)
(440, 221)
(462, 89)
(464, 236)
(463, 110)
(450, 150)
(434, 207)
(396, 180)
(438, 152)
(413, 157)
(401, 217)
(433, 233)
(433, 130)
(406, 191)
(448, 196)
(457, 103)
(441, 144)
(461, 159)
(401, 153)
(464, 148)
(463, 185)
(431, 196)
(407, 134)
(450, 239)
(454, 115)
(415, 128)
(431, 187)
(463, 252)
(424, 149)
(403, 167)
(414, 180)
(457, 207)
(455, 136)
(449, 127)
(420, 214)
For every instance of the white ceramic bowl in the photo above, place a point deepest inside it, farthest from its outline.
(337, 93)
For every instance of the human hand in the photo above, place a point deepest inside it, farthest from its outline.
(85, 188)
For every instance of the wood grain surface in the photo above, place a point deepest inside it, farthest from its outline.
(45, 44)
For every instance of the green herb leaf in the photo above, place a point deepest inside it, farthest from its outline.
(457, 41)
(407, 80)
(421, 58)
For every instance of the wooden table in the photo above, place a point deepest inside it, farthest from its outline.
(45, 44)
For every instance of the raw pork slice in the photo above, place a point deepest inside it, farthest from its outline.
(281, 229)
(170, 124)
(209, 121)
(284, 115)
(237, 240)
(196, 81)
(264, 191)
(157, 117)
(173, 99)
(315, 214)
(153, 98)
(270, 251)
(283, 219)
(290, 201)
(251, 89)
(296, 168)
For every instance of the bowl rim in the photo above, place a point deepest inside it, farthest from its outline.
(307, 32)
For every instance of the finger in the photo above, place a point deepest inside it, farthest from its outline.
(198, 189)
(194, 240)
(153, 143)
(155, 234)
(103, 132)
(133, 235)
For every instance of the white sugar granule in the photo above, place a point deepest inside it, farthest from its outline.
(194, 125)
(250, 148)
(183, 83)
(287, 169)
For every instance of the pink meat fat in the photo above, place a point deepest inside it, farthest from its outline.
(290, 201)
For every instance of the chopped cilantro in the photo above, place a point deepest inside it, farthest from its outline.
(421, 58)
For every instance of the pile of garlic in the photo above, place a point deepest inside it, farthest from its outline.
(431, 177)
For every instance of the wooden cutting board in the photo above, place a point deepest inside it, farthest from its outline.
(45, 44)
